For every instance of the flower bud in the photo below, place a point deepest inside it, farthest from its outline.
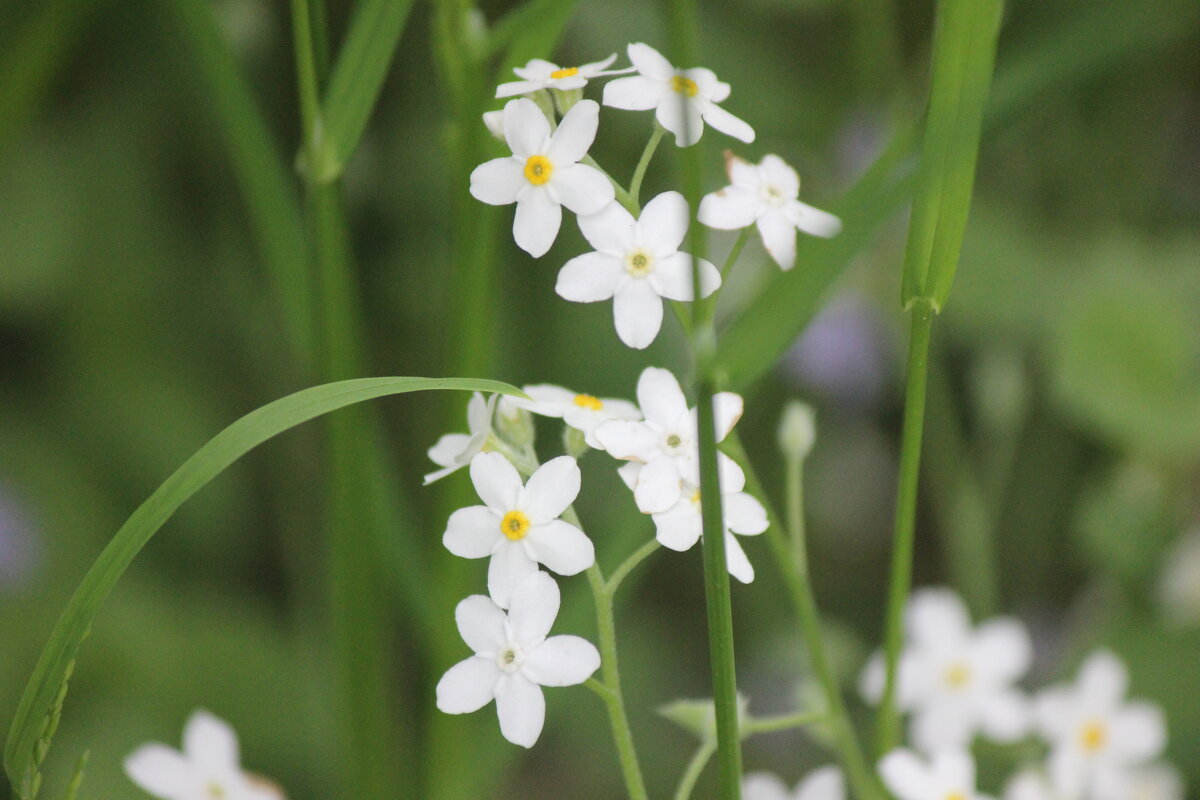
(574, 443)
(494, 120)
(797, 430)
(513, 424)
(565, 99)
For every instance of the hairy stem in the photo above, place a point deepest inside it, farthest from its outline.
(635, 185)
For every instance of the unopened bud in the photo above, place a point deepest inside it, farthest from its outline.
(565, 99)
(574, 442)
(513, 423)
(797, 430)
(494, 120)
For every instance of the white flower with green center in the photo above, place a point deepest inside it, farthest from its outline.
(683, 99)
(583, 412)
(948, 775)
(957, 681)
(208, 768)
(825, 783)
(637, 264)
(518, 527)
(765, 195)
(542, 74)
(665, 444)
(543, 173)
(514, 659)
(455, 450)
(1097, 739)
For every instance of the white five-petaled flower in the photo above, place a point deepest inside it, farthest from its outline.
(948, 775)
(583, 412)
(519, 525)
(513, 659)
(765, 195)
(208, 768)
(455, 450)
(637, 263)
(956, 681)
(543, 173)
(666, 442)
(1097, 739)
(825, 783)
(542, 74)
(683, 99)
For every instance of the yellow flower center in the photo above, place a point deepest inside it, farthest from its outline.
(565, 72)
(695, 498)
(515, 525)
(587, 401)
(956, 796)
(685, 86)
(538, 170)
(639, 263)
(1093, 735)
(958, 676)
(215, 790)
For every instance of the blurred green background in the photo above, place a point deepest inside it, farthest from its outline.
(137, 319)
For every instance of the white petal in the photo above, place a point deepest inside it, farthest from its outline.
(210, 743)
(508, 567)
(525, 128)
(744, 514)
(956, 768)
(660, 398)
(472, 532)
(448, 448)
(582, 189)
(658, 486)
(813, 221)
(672, 277)
(1002, 649)
(479, 415)
(743, 174)
(906, 776)
(481, 624)
(635, 93)
(826, 783)
(548, 399)
(534, 606)
(707, 83)
(561, 661)
(468, 686)
(521, 708)
(764, 786)
(497, 182)
(664, 223)
(681, 117)
(649, 61)
(610, 230)
(679, 527)
(629, 472)
(779, 174)
(438, 474)
(575, 134)
(1052, 712)
(161, 771)
(727, 123)
(628, 440)
(871, 679)
(727, 410)
(735, 559)
(1005, 716)
(779, 237)
(536, 69)
(729, 474)
(536, 223)
(551, 489)
(561, 546)
(497, 482)
(637, 313)
(589, 278)
(1029, 784)
(1103, 680)
(942, 724)
(494, 122)
(594, 67)
(514, 88)
(936, 617)
(1139, 732)
(731, 208)
(1068, 771)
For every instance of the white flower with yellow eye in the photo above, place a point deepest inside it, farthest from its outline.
(455, 450)
(1154, 782)
(637, 264)
(765, 195)
(683, 99)
(543, 173)
(826, 783)
(1098, 740)
(583, 412)
(948, 775)
(519, 526)
(956, 681)
(514, 659)
(542, 74)
(208, 768)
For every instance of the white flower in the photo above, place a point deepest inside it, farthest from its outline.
(519, 526)
(455, 450)
(684, 99)
(207, 768)
(949, 775)
(541, 74)
(636, 264)
(1030, 784)
(542, 174)
(825, 783)
(1179, 586)
(765, 194)
(957, 681)
(665, 443)
(1155, 782)
(513, 659)
(583, 412)
(1096, 738)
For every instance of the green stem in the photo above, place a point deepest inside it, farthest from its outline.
(627, 566)
(623, 197)
(736, 252)
(635, 185)
(888, 733)
(687, 782)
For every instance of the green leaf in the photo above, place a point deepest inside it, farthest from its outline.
(36, 717)
(357, 80)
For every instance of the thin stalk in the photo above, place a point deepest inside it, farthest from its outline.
(736, 252)
(687, 782)
(635, 184)
(627, 566)
(888, 733)
(627, 200)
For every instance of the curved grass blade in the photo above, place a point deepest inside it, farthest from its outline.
(29, 736)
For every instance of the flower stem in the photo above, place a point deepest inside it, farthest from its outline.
(687, 782)
(627, 566)
(635, 185)
(888, 732)
(623, 197)
(736, 252)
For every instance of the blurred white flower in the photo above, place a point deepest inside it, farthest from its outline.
(455, 450)
(956, 681)
(948, 775)
(1179, 587)
(583, 412)
(825, 783)
(1155, 782)
(494, 122)
(542, 174)
(637, 263)
(514, 659)
(542, 74)
(519, 526)
(683, 99)
(765, 195)
(208, 766)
